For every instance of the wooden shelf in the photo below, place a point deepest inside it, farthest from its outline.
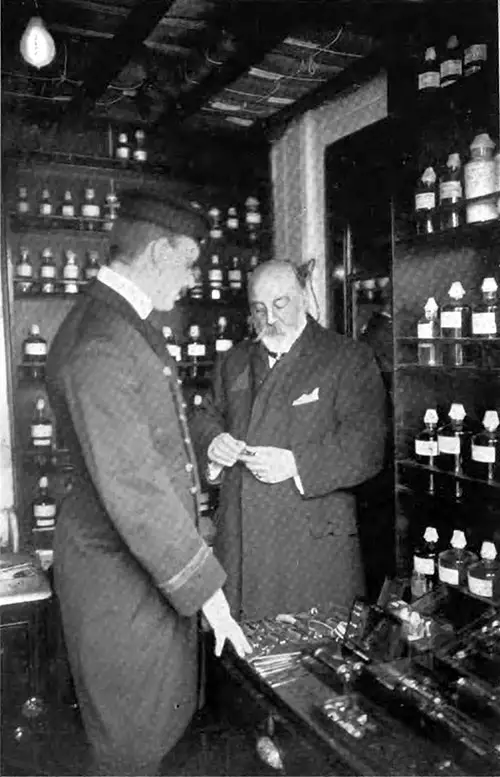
(478, 232)
(35, 223)
(47, 461)
(449, 473)
(447, 370)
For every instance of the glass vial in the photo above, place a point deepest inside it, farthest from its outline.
(450, 193)
(484, 447)
(428, 72)
(428, 333)
(424, 564)
(483, 577)
(455, 324)
(425, 202)
(454, 562)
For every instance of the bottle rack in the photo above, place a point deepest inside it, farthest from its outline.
(480, 355)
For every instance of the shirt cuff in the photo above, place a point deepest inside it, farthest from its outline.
(214, 471)
(298, 483)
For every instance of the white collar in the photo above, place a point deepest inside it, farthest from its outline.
(126, 289)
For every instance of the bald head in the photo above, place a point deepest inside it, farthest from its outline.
(277, 304)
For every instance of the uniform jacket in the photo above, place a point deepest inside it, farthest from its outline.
(130, 567)
(283, 550)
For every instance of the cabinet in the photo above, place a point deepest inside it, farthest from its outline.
(436, 124)
(34, 231)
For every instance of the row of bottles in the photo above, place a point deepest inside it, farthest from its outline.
(439, 204)
(135, 151)
(88, 208)
(444, 65)
(456, 566)
(230, 225)
(50, 279)
(459, 445)
(224, 277)
(457, 320)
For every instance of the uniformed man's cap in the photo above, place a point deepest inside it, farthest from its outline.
(175, 214)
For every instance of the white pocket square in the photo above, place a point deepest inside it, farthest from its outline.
(305, 399)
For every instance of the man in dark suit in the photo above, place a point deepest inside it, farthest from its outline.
(131, 569)
(295, 421)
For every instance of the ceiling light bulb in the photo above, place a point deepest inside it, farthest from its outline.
(37, 44)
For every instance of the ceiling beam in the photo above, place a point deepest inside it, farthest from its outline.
(112, 56)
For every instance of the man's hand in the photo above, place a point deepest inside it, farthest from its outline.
(225, 449)
(216, 611)
(269, 464)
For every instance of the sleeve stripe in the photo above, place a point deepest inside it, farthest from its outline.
(181, 578)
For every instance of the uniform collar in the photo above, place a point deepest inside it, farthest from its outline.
(127, 289)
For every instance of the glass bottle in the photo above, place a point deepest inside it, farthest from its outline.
(235, 275)
(44, 506)
(253, 263)
(70, 273)
(450, 69)
(45, 208)
(111, 209)
(48, 272)
(171, 345)
(34, 350)
(485, 315)
(140, 153)
(253, 218)
(215, 278)
(90, 209)
(483, 577)
(215, 217)
(223, 340)
(23, 205)
(24, 272)
(454, 444)
(67, 208)
(480, 180)
(484, 448)
(428, 72)
(92, 267)
(428, 332)
(122, 148)
(455, 323)
(450, 193)
(453, 562)
(196, 350)
(197, 289)
(41, 429)
(475, 56)
(232, 222)
(424, 564)
(425, 202)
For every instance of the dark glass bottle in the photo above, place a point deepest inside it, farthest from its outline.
(486, 314)
(171, 344)
(454, 562)
(223, 339)
(451, 62)
(428, 333)
(44, 506)
(41, 429)
(450, 193)
(424, 564)
(425, 202)
(483, 577)
(34, 351)
(455, 324)
(454, 445)
(428, 72)
(485, 448)
(24, 272)
(48, 272)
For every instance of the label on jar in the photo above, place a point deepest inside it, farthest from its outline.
(223, 345)
(23, 206)
(425, 201)
(475, 53)
(479, 177)
(91, 272)
(44, 510)
(24, 270)
(426, 448)
(234, 277)
(35, 349)
(123, 152)
(253, 218)
(47, 271)
(45, 523)
(448, 575)
(140, 155)
(484, 324)
(68, 211)
(449, 445)
(215, 277)
(450, 190)
(486, 454)
(70, 287)
(428, 80)
(480, 587)
(174, 351)
(48, 287)
(45, 209)
(71, 272)
(451, 67)
(424, 331)
(424, 566)
(196, 349)
(91, 211)
(451, 319)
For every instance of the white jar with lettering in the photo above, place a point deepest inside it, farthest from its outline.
(480, 179)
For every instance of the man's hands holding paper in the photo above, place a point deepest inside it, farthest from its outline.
(266, 462)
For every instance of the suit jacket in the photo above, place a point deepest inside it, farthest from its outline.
(130, 567)
(284, 551)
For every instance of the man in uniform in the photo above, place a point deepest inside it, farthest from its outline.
(131, 569)
(296, 421)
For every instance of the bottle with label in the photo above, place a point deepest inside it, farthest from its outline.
(428, 333)
(91, 211)
(223, 340)
(215, 278)
(450, 193)
(425, 202)
(196, 350)
(111, 210)
(34, 350)
(171, 345)
(424, 564)
(45, 208)
(215, 217)
(23, 205)
(451, 62)
(92, 267)
(253, 263)
(67, 207)
(41, 430)
(454, 562)
(235, 275)
(24, 272)
(196, 291)
(455, 324)
(426, 445)
(486, 315)
(483, 577)
(485, 447)
(480, 180)
(253, 217)
(44, 506)
(428, 73)
(140, 153)
(475, 56)
(48, 272)
(70, 273)
(232, 223)
(454, 444)
(122, 148)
